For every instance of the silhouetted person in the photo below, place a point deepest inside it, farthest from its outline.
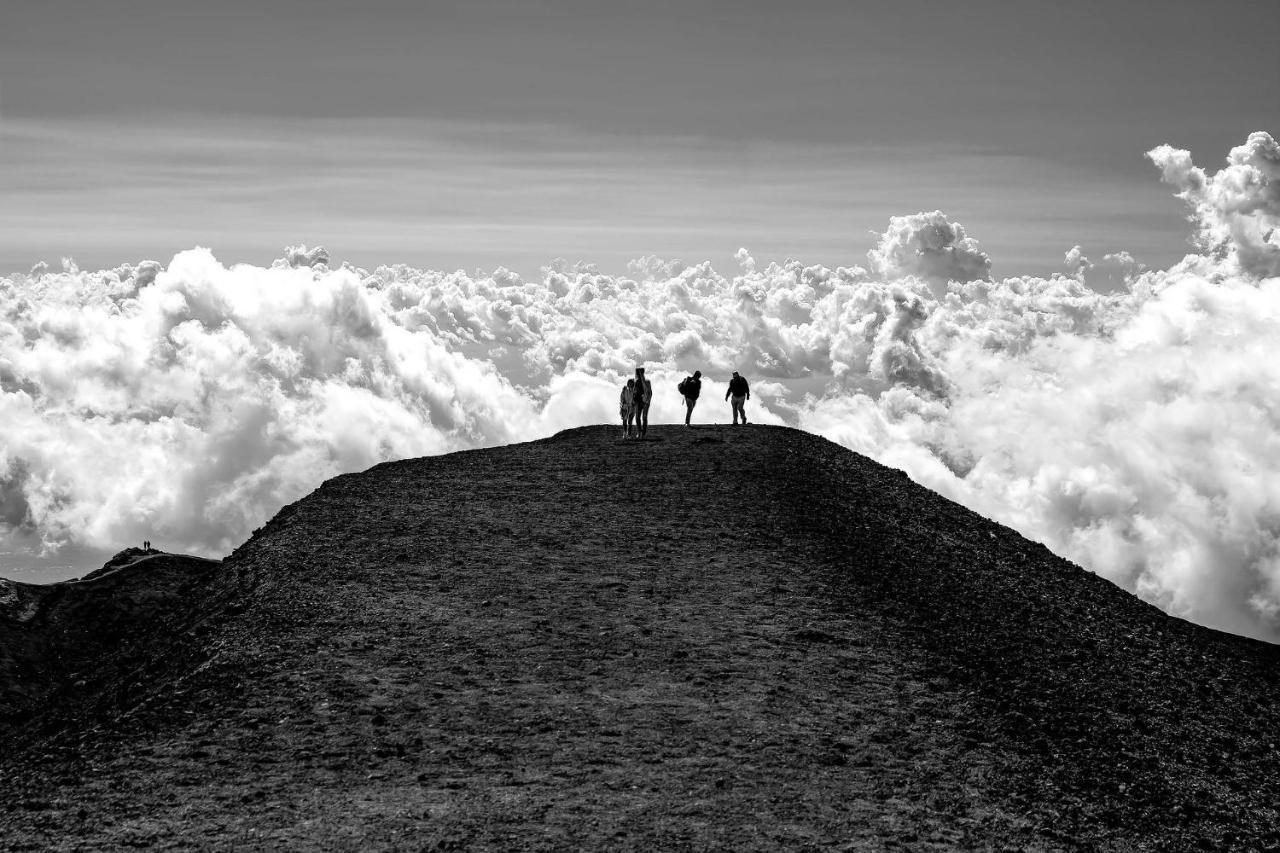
(740, 392)
(643, 396)
(627, 407)
(691, 387)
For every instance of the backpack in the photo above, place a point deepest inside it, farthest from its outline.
(683, 387)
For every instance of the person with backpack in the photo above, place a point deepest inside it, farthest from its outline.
(690, 387)
(643, 397)
(627, 407)
(740, 391)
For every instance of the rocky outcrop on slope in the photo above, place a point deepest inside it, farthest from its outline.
(714, 638)
(68, 643)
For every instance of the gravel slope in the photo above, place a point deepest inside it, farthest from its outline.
(714, 638)
(64, 645)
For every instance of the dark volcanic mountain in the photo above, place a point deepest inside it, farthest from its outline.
(60, 644)
(718, 637)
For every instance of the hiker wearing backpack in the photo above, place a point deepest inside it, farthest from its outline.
(643, 396)
(740, 391)
(690, 387)
(627, 407)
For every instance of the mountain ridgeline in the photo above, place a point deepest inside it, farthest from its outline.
(716, 637)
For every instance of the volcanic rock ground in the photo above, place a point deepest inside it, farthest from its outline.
(717, 637)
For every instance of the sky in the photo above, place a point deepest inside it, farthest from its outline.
(486, 134)
(1028, 253)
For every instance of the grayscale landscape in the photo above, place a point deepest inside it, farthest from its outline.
(594, 424)
(581, 643)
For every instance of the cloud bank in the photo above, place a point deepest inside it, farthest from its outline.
(1127, 418)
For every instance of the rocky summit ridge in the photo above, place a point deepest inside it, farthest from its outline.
(717, 637)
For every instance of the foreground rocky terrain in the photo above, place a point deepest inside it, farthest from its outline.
(713, 638)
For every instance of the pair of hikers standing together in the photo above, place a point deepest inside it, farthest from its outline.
(637, 394)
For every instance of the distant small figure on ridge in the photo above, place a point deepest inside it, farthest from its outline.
(627, 407)
(146, 545)
(740, 391)
(643, 396)
(690, 387)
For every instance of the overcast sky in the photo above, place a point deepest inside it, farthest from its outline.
(481, 134)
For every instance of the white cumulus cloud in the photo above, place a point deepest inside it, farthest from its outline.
(1126, 417)
(1236, 210)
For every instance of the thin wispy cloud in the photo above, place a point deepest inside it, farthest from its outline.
(468, 194)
